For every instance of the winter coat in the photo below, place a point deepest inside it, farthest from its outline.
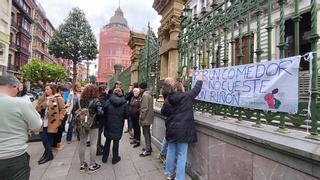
(103, 98)
(95, 109)
(56, 111)
(180, 125)
(128, 96)
(116, 110)
(134, 107)
(146, 109)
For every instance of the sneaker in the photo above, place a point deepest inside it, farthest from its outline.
(145, 153)
(170, 177)
(94, 167)
(133, 142)
(68, 142)
(83, 167)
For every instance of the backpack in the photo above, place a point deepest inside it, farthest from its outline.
(84, 118)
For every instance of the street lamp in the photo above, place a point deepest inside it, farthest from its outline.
(88, 62)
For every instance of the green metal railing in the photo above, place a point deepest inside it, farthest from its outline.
(110, 82)
(149, 63)
(215, 38)
(125, 78)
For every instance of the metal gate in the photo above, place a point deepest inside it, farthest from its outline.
(149, 63)
(232, 32)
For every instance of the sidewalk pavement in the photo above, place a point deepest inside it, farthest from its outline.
(65, 165)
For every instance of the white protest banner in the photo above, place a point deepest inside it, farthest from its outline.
(271, 85)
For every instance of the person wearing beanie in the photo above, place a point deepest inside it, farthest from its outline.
(146, 117)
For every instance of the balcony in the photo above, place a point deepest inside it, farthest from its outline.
(14, 25)
(13, 68)
(13, 46)
(23, 50)
(39, 49)
(39, 23)
(23, 12)
(39, 36)
(25, 32)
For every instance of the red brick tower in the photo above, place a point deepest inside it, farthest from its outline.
(113, 46)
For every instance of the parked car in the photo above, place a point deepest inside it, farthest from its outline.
(36, 93)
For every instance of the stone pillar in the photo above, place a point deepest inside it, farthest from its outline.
(117, 71)
(136, 43)
(170, 10)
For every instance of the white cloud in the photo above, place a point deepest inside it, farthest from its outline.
(98, 12)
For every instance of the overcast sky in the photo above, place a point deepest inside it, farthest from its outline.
(98, 12)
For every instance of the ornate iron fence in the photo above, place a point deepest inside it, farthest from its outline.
(149, 63)
(226, 33)
(125, 78)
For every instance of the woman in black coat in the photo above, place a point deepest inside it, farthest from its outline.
(180, 125)
(116, 111)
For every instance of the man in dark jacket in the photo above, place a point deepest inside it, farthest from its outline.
(116, 111)
(180, 126)
(146, 117)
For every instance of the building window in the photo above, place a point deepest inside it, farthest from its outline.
(18, 40)
(26, 25)
(11, 37)
(202, 4)
(304, 30)
(194, 10)
(10, 60)
(2, 49)
(244, 50)
(12, 18)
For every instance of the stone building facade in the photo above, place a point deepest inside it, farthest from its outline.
(5, 22)
(20, 35)
(42, 32)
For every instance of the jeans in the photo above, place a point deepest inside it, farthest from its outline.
(147, 137)
(99, 135)
(137, 130)
(130, 124)
(16, 168)
(47, 139)
(93, 134)
(179, 151)
(115, 148)
(164, 146)
(70, 131)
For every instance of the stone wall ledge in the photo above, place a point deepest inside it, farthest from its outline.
(292, 149)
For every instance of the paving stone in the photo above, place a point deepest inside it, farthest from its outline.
(65, 165)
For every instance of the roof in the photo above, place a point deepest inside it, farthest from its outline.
(118, 18)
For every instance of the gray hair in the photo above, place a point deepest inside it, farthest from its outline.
(9, 81)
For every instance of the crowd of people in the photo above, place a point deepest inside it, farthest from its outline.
(89, 112)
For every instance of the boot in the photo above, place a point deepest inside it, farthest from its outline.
(43, 156)
(99, 151)
(48, 157)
